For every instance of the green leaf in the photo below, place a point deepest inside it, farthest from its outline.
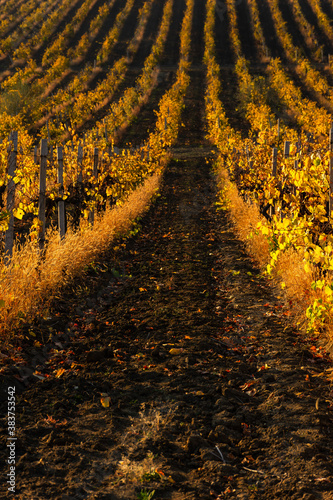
(4, 215)
(115, 273)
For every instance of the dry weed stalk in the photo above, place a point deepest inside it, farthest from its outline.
(145, 428)
(290, 267)
(28, 284)
(134, 471)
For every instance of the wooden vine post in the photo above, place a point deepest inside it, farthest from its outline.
(295, 168)
(331, 175)
(79, 186)
(286, 150)
(79, 164)
(95, 174)
(36, 155)
(42, 191)
(48, 130)
(95, 162)
(274, 161)
(61, 203)
(274, 168)
(12, 160)
(105, 131)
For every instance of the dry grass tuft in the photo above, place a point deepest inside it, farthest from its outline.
(290, 269)
(29, 283)
(145, 428)
(245, 216)
(135, 471)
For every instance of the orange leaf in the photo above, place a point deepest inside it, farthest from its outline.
(60, 372)
(50, 420)
(105, 400)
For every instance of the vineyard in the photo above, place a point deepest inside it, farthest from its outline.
(166, 251)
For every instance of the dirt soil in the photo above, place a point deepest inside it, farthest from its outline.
(172, 370)
(213, 393)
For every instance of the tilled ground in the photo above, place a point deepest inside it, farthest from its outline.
(213, 394)
(172, 368)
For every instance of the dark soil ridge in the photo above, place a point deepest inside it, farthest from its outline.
(294, 29)
(209, 383)
(150, 34)
(271, 39)
(249, 47)
(66, 18)
(104, 29)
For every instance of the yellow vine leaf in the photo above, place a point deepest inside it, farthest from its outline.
(18, 213)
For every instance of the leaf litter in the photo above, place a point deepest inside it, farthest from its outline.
(127, 387)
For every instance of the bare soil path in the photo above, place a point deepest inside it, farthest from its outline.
(212, 392)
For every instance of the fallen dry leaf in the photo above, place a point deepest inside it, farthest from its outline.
(176, 351)
(105, 400)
